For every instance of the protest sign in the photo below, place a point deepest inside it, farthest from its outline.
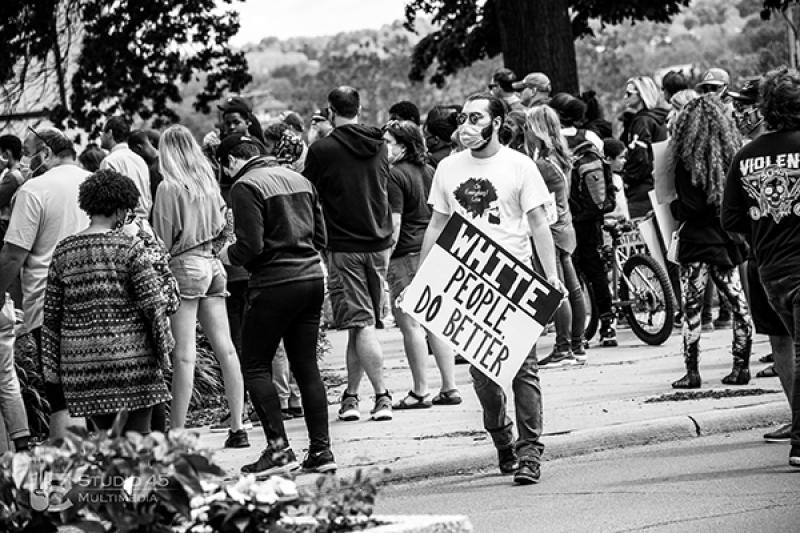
(483, 302)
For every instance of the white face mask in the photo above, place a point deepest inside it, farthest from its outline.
(473, 136)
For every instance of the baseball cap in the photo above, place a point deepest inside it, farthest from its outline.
(320, 115)
(232, 141)
(504, 77)
(748, 92)
(714, 77)
(535, 80)
(235, 104)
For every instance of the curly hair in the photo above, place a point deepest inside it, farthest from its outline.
(106, 191)
(704, 141)
(407, 134)
(779, 99)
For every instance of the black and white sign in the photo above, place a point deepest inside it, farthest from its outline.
(486, 304)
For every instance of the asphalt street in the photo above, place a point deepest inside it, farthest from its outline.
(721, 483)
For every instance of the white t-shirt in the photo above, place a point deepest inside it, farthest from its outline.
(495, 194)
(128, 163)
(45, 211)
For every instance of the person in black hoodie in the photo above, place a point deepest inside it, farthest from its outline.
(762, 200)
(648, 125)
(350, 169)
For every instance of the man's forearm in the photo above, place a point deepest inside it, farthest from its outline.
(545, 251)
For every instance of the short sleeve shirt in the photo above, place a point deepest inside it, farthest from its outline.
(125, 161)
(45, 211)
(495, 194)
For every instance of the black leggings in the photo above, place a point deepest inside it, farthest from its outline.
(138, 421)
(288, 312)
(589, 237)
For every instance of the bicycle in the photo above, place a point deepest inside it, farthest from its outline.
(641, 292)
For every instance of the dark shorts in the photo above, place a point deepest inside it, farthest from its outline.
(357, 286)
(401, 271)
(765, 319)
(199, 276)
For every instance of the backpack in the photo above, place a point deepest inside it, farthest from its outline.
(592, 190)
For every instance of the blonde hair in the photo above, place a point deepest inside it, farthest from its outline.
(183, 163)
(542, 123)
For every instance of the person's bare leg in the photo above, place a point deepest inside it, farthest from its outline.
(370, 356)
(416, 350)
(214, 320)
(354, 370)
(183, 324)
(446, 362)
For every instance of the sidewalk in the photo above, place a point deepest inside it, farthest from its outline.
(598, 406)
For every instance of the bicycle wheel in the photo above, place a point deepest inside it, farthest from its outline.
(648, 300)
(591, 310)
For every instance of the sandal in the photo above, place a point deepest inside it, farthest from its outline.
(447, 397)
(768, 372)
(413, 401)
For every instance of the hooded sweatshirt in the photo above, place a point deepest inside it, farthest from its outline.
(350, 170)
(647, 127)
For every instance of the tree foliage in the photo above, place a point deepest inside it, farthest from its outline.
(470, 30)
(123, 56)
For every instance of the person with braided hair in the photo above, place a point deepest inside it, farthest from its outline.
(704, 143)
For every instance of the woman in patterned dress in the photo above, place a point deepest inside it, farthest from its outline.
(106, 338)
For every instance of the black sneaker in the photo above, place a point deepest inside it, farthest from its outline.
(507, 460)
(782, 434)
(319, 462)
(272, 462)
(527, 473)
(794, 456)
(558, 359)
(608, 335)
(237, 439)
(296, 412)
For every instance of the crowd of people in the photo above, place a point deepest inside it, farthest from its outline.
(122, 249)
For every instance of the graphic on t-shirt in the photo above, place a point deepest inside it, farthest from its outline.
(478, 196)
(776, 191)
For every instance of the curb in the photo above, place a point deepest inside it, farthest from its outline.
(585, 441)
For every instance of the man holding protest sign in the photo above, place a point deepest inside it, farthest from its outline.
(502, 196)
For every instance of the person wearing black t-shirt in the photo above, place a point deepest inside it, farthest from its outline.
(762, 200)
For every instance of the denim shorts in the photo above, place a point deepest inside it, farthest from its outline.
(199, 275)
(357, 285)
(401, 271)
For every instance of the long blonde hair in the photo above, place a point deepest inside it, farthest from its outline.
(183, 163)
(542, 123)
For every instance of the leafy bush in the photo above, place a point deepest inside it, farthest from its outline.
(26, 363)
(161, 483)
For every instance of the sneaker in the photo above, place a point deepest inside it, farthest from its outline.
(579, 350)
(224, 424)
(319, 462)
(348, 409)
(769, 358)
(707, 326)
(296, 412)
(383, 407)
(507, 460)
(782, 434)
(558, 359)
(237, 439)
(794, 456)
(527, 473)
(273, 462)
(286, 414)
(608, 335)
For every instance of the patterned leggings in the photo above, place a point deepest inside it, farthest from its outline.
(694, 277)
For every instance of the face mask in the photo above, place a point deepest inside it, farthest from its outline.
(396, 153)
(474, 137)
(38, 164)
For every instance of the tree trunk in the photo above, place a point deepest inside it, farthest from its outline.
(536, 36)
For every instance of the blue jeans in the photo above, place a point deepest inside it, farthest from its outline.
(11, 407)
(784, 296)
(527, 404)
